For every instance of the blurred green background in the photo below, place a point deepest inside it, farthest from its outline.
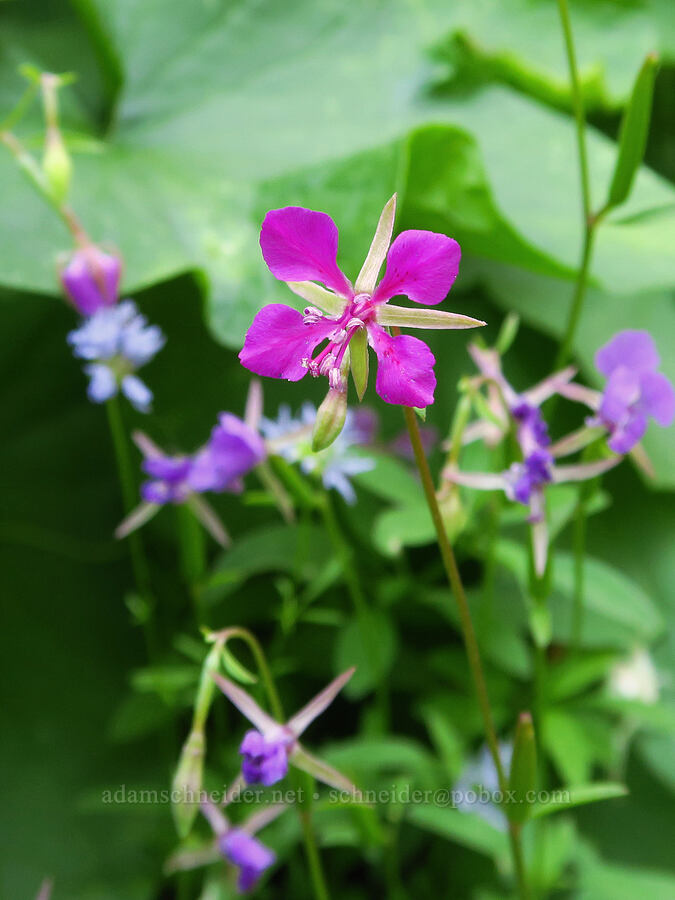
(187, 122)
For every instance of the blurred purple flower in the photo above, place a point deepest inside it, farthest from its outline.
(233, 449)
(263, 747)
(91, 278)
(300, 247)
(290, 438)
(247, 853)
(265, 759)
(533, 473)
(635, 390)
(170, 479)
(117, 340)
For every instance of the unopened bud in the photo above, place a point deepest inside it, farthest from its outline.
(187, 782)
(57, 165)
(523, 777)
(91, 279)
(330, 419)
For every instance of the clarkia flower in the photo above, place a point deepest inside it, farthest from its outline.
(300, 247)
(290, 438)
(524, 481)
(263, 749)
(238, 844)
(91, 278)
(635, 391)
(117, 340)
(233, 449)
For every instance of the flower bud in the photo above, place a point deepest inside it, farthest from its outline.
(91, 279)
(57, 165)
(187, 782)
(523, 777)
(330, 419)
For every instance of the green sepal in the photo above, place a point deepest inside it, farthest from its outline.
(358, 353)
(523, 777)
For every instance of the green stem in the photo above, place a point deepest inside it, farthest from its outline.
(128, 485)
(192, 553)
(304, 810)
(578, 297)
(578, 105)
(589, 220)
(469, 634)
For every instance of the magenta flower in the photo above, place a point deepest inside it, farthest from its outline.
(300, 248)
(91, 279)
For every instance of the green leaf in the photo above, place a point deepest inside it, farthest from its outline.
(462, 828)
(633, 134)
(403, 527)
(368, 642)
(579, 796)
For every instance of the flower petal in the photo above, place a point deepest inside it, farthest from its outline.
(278, 341)
(137, 393)
(657, 397)
(405, 369)
(102, 383)
(628, 433)
(299, 722)
(301, 245)
(633, 349)
(246, 705)
(422, 265)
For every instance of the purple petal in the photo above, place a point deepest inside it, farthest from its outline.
(633, 349)
(278, 341)
(422, 265)
(621, 392)
(657, 397)
(405, 369)
(232, 450)
(91, 279)
(629, 433)
(248, 853)
(318, 704)
(301, 245)
(265, 760)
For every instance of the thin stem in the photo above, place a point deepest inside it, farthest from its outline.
(192, 548)
(128, 485)
(578, 105)
(469, 634)
(578, 297)
(304, 811)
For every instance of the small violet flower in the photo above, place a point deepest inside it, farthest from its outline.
(238, 843)
(91, 278)
(300, 247)
(268, 749)
(233, 449)
(117, 341)
(635, 392)
(290, 438)
(247, 853)
(524, 482)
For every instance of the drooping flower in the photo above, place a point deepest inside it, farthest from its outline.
(233, 449)
(117, 340)
(291, 438)
(247, 853)
(262, 748)
(238, 844)
(526, 479)
(635, 391)
(91, 278)
(300, 247)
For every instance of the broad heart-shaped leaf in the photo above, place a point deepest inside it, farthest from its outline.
(227, 110)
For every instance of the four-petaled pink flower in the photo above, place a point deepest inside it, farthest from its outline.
(300, 248)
